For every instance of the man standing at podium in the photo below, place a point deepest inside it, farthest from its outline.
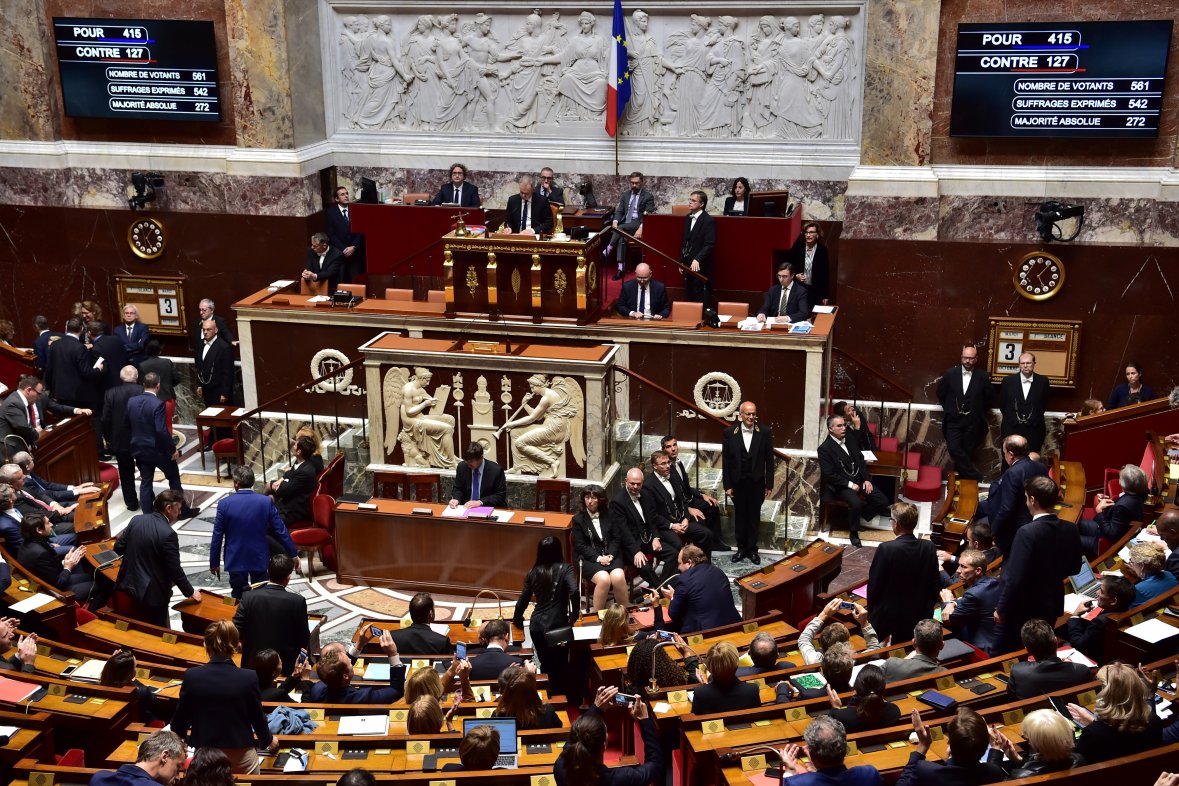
(551, 192)
(528, 212)
(341, 236)
(696, 249)
(324, 263)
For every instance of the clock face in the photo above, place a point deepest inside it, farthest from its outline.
(146, 238)
(1038, 275)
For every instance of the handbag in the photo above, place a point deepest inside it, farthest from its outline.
(559, 637)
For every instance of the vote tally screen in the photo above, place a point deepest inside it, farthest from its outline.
(138, 69)
(1082, 79)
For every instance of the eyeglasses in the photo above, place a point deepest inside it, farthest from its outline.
(546, 177)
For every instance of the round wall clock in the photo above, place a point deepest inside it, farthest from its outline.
(1038, 275)
(146, 237)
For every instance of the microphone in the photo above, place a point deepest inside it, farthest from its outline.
(735, 754)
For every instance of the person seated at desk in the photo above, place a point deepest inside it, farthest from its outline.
(335, 677)
(927, 643)
(39, 557)
(868, 708)
(419, 638)
(267, 664)
(826, 747)
(160, 759)
(1115, 517)
(478, 482)
(1123, 722)
(119, 672)
(26, 647)
(835, 667)
(1085, 630)
(496, 636)
(968, 737)
(324, 263)
(553, 193)
(458, 191)
(786, 298)
(737, 202)
(1147, 560)
(763, 652)
(971, 616)
(478, 750)
(47, 489)
(648, 660)
(528, 212)
(23, 414)
(1043, 672)
(834, 633)
(724, 691)
(643, 297)
(521, 700)
(1050, 743)
(977, 536)
(702, 598)
(1132, 391)
(582, 760)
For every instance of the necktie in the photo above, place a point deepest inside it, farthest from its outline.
(785, 299)
(524, 215)
(34, 499)
(128, 331)
(458, 194)
(475, 485)
(33, 416)
(643, 299)
(345, 214)
(633, 212)
(321, 256)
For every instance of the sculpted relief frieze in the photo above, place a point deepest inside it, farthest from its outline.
(792, 75)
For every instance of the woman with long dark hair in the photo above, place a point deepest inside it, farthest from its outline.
(119, 672)
(869, 710)
(553, 583)
(737, 202)
(581, 762)
(209, 767)
(521, 700)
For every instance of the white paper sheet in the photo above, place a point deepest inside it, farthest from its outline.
(367, 725)
(1153, 630)
(586, 632)
(378, 672)
(31, 603)
(824, 309)
(209, 412)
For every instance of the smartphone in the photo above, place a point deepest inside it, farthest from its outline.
(68, 670)
(301, 660)
(664, 635)
(847, 605)
(460, 650)
(624, 699)
(375, 632)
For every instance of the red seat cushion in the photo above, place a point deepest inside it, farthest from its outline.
(310, 537)
(225, 446)
(109, 473)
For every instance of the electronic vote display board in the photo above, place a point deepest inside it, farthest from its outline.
(138, 69)
(1060, 79)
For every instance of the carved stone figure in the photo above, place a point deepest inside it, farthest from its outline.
(793, 99)
(646, 77)
(686, 56)
(835, 89)
(384, 77)
(423, 96)
(484, 49)
(582, 85)
(350, 45)
(559, 416)
(523, 81)
(720, 106)
(416, 420)
(458, 77)
(761, 75)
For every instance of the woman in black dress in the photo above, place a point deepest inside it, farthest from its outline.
(553, 583)
(812, 268)
(737, 202)
(597, 542)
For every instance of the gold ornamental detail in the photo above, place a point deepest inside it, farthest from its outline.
(559, 284)
(472, 280)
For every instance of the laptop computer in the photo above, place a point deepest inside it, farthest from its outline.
(508, 746)
(1084, 581)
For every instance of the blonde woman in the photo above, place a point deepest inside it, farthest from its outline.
(1123, 721)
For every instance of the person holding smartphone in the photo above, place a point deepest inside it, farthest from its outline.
(582, 760)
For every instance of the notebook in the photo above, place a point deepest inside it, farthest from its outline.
(508, 745)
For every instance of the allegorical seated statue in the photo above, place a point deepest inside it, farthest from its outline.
(559, 417)
(414, 418)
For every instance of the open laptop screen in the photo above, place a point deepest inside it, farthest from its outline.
(505, 726)
(1083, 577)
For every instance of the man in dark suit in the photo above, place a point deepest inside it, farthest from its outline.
(110, 348)
(553, 193)
(247, 522)
(23, 415)
(969, 761)
(335, 678)
(1043, 672)
(702, 507)
(133, 334)
(1023, 399)
(907, 563)
(30, 500)
(419, 638)
(971, 616)
(43, 489)
(1168, 529)
(1006, 508)
(665, 504)
(763, 651)
(118, 432)
(702, 597)
(458, 191)
(478, 482)
(44, 338)
(747, 474)
(152, 446)
(1046, 551)
(528, 212)
(491, 662)
(271, 617)
(324, 263)
(643, 297)
(826, 747)
(965, 394)
(846, 477)
(151, 560)
(696, 248)
(642, 541)
(206, 310)
(1086, 627)
(214, 368)
(292, 492)
(1113, 519)
(794, 305)
(74, 374)
(628, 216)
(341, 236)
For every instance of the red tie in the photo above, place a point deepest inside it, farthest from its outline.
(33, 416)
(34, 499)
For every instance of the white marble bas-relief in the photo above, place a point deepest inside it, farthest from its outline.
(795, 77)
(415, 418)
(557, 417)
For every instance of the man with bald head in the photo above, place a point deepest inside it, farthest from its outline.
(747, 476)
(117, 430)
(643, 297)
(1005, 508)
(642, 541)
(1168, 529)
(214, 364)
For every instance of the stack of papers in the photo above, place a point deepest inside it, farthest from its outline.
(319, 299)
(209, 412)
(281, 283)
(89, 671)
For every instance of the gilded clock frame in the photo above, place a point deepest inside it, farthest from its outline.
(1043, 295)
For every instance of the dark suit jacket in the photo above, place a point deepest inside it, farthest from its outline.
(632, 528)
(215, 372)
(1087, 636)
(10, 537)
(660, 507)
(1013, 406)
(146, 421)
(319, 693)
(1006, 506)
(904, 562)
(555, 194)
(294, 493)
(493, 488)
(588, 546)
(1172, 565)
(710, 697)
(114, 355)
(974, 404)
(151, 561)
(490, 663)
(539, 213)
(220, 705)
(798, 308)
(14, 417)
(166, 369)
(1046, 551)
(133, 344)
(679, 479)
(839, 468)
(47, 489)
(628, 298)
(703, 599)
(39, 558)
(71, 376)
(470, 195)
(339, 231)
(114, 415)
(418, 639)
(973, 620)
(646, 205)
(198, 340)
(732, 200)
(1120, 396)
(1030, 678)
(329, 270)
(761, 449)
(1115, 521)
(919, 772)
(699, 242)
(41, 347)
(820, 285)
(272, 617)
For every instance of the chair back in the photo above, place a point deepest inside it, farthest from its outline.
(323, 511)
(681, 210)
(398, 294)
(553, 496)
(409, 199)
(389, 485)
(734, 310)
(313, 288)
(357, 290)
(436, 296)
(686, 311)
(424, 487)
(331, 480)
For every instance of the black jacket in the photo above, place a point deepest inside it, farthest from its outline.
(71, 377)
(554, 609)
(418, 639)
(329, 270)
(699, 242)
(761, 448)
(909, 563)
(469, 192)
(493, 487)
(1036, 678)
(710, 697)
(839, 468)
(634, 530)
(215, 372)
(151, 561)
(586, 543)
(490, 663)
(540, 215)
(798, 305)
(115, 427)
(273, 617)
(972, 405)
(221, 706)
(1046, 551)
(293, 495)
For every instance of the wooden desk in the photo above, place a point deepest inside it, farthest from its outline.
(1116, 437)
(791, 583)
(458, 631)
(213, 607)
(57, 618)
(223, 418)
(67, 452)
(392, 547)
(140, 637)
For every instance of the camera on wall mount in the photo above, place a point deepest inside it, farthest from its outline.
(1059, 221)
(145, 184)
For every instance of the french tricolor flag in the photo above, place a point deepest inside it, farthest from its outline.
(618, 85)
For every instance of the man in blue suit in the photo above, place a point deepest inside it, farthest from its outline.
(43, 339)
(1006, 507)
(826, 746)
(793, 306)
(151, 444)
(971, 616)
(244, 520)
(702, 598)
(642, 297)
(133, 334)
(341, 236)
